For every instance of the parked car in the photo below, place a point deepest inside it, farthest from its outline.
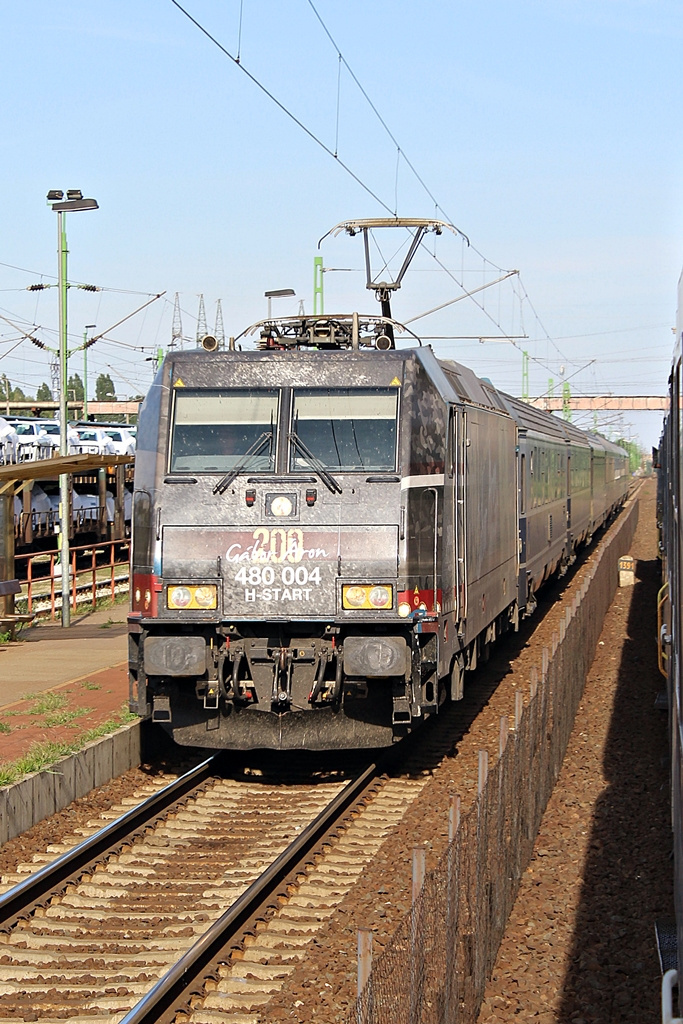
(94, 441)
(39, 438)
(8, 442)
(33, 442)
(51, 429)
(40, 502)
(122, 439)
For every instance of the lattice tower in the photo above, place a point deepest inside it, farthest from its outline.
(177, 329)
(202, 329)
(219, 333)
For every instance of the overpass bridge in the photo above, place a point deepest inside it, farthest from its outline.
(602, 403)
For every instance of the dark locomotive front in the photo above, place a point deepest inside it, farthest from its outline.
(288, 512)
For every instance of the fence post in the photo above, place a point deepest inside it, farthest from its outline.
(451, 903)
(533, 682)
(503, 735)
(417, 954)
(364, 971)
(483, 771)
(519, 708)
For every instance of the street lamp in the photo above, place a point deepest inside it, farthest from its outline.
(278, 293)
(74, 201)
(88, 327)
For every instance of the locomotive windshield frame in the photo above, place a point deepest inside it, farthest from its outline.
(212, 430)
(345, 427)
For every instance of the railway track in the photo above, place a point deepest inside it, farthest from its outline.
(212, 878)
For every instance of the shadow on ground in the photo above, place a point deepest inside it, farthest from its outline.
(614, 970)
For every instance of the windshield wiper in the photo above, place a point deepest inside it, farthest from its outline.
(315, 462)
(256, 449)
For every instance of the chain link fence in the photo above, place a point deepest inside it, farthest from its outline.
(434, 969)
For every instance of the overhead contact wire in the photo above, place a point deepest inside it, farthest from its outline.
(283, 108)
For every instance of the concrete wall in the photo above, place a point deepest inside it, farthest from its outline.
(25, 803)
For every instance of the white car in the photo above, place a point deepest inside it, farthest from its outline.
(33, 442)
(8, 442)
(39, 439)
(50, 428)
(39, 502)
(93, 441)
(122, 439)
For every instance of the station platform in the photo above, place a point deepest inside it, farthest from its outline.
(56, 685)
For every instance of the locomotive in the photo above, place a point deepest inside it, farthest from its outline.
(330, 530)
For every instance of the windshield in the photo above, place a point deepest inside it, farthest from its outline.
(213, 431)
(346, 429)
(50, 428)
(24, 428)
(115, 435)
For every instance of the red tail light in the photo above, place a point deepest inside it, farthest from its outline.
(145, 594)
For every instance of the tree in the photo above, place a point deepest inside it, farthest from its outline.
(74, 388)
(104, 388)
(635, 453)
(43, 394)
(17, 395)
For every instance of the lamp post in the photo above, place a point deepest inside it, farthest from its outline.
(74, 201)
(88, 327)
(278, 293)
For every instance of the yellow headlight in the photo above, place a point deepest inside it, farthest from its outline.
(354, 597)
(372, 597)
(198, 598)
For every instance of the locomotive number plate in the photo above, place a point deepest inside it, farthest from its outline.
(281, 570)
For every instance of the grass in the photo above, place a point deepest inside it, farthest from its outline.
(5, 637)
(88, 685)
(43, 755)
(4, 727)
(106, 602)
(44, 703)
(65, 717)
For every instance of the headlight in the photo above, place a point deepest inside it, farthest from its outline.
(380, 597)
(404, 609)
(202, 597)
(179, 597)
(374, 597)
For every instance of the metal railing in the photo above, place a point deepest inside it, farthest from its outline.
(45, 524)
(97, 571)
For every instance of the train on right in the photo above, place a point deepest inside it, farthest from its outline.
(669, 461)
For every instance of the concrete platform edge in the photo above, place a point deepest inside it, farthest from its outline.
(25, 803)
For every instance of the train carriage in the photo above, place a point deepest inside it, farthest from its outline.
(670, 615)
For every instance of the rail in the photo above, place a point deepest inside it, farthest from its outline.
(164, 1000)
(96, 570)
(24, 897)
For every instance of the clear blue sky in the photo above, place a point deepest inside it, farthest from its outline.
(549, 131)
